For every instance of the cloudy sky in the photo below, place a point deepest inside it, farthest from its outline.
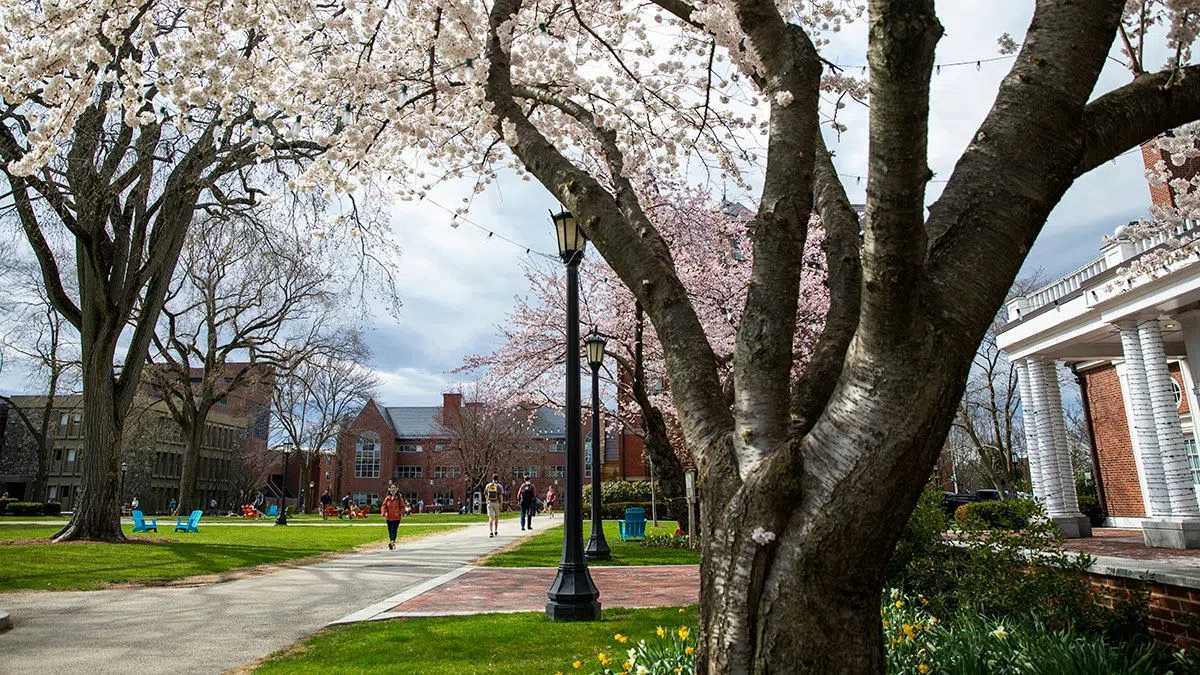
(457, 283)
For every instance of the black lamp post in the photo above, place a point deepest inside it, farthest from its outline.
(597, 547)
(281, 519)
(124, 468)
(573, 595)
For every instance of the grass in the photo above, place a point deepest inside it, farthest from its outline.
(545, 549)
(153, 558)
(485, 643)
(422, 518)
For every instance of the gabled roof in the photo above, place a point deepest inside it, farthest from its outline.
(413, 421)
(548, 423)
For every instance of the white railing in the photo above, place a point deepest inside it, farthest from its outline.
(1114, 254)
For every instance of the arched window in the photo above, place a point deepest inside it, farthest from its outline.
(366, 456)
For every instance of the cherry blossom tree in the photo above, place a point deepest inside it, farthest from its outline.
(122, 119)
(708, 240)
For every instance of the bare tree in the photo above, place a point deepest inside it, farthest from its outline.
(316, 402)
(485, 439)
(38, 337)
(245, 292)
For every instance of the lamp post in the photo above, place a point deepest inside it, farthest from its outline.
(281, 519)
(124, 468)
(597, 547)
(573, 595)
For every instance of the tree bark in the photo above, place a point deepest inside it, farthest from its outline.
(97, 515)
(189, 479)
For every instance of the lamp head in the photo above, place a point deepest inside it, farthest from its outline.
(595, 349)
(571, 239)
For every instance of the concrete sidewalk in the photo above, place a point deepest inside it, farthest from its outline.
(210, 629)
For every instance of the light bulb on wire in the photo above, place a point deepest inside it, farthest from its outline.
(469, 70)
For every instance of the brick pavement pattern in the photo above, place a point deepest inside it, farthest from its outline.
(498, 589)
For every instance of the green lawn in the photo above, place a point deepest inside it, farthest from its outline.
(486, 643)
(163, 556)
(545, 549)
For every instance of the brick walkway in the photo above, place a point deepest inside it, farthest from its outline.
(1128, 544)
(496, 589)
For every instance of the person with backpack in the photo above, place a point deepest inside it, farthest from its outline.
(326, 502)
(494, 492)
(527, 496)
(392, 509)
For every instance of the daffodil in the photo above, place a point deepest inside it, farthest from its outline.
(899, 604)
(661, 632)
(932, 620)
(681, 610)
(577, 664)
(643, 670)
(604, 660)
(922, 669)
(688, 651)
(683, 632)
(886, 623)
(620, 638)
(627, 665)
(1000, 633)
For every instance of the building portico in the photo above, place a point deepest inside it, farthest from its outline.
(1145, 328)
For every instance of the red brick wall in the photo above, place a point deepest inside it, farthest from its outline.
(1161, 195)
(1174, 610)
(1118, 469)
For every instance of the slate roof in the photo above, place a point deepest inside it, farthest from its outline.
(421, 422)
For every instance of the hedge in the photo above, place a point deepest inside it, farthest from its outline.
(620, 491)
(1090, 507)
(616, 511)
(1007, 514)
(53, 509)
(25, 509)
(4, 503)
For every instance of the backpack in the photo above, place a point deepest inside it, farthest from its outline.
(493, 492)
(527, 492)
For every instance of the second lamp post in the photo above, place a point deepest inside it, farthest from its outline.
(573, 595)
(597, 547)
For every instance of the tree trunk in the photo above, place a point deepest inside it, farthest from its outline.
(666, 463)
(189, 478)
(41, 476)
(98, 506)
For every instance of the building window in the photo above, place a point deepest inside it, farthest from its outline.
(532, 472)
(440, 447)
(408, 471)
(408, 448)
(70, 455)
(411, 499)
(558, 471)
(558, 446)
(366, 457)
(443, 498)
(326, 475)
(1193, 457)
(1176, 392)
(440, 471)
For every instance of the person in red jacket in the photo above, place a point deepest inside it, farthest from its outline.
(392, 509)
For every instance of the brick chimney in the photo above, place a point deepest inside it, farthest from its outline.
(1164, 195)
(451, 408)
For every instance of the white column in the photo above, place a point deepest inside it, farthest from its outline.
(1175, 469)
(1062, 453)
(1048, 463)
(1029, 419)
(1143, 421)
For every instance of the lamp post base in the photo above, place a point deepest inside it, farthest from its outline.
(597, 549)
(573, 596)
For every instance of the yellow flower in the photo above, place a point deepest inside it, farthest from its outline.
(661, 632)
(908, 630)
(1000, 633)
(922, 669)
(688, 651)
(932, 620)
(899, 604)
(627, 665)
(886, 623)
(681, 610)
(604, 660)
(577, 664)
(678, 671)
(683, 632)
(621, 638)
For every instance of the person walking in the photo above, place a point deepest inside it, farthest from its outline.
(392, 509)
(171, 506)
(550, 496)
(494, 492)
(527, 497)
(326, 502)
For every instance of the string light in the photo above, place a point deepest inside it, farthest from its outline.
(978, 63)
(859, 179)
(469, 70)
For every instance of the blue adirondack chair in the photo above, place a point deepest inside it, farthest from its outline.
(274, 510)
(634, 524)
(140, 524)
(189, 524)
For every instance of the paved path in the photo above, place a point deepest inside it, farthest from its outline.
(210, 629)
(478, 590)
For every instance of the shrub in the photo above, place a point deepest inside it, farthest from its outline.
(25, 509)
(670, 541)
(52, 509)
(1090, 507)
(616, 511)
(1008, 514)
(919, 641)
(4, 504)
(615, 491)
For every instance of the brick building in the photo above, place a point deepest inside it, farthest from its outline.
(405, 444)
(1133, 341)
